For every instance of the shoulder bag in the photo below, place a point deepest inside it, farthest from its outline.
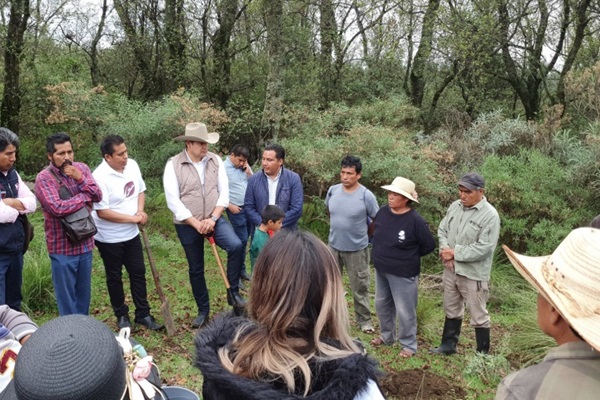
(79, 226)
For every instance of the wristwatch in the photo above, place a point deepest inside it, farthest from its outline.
(213, 218)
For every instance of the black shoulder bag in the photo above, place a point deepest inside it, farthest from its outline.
(78, 226)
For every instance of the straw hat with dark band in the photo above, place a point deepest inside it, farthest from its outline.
(570, 280)
(69, 358)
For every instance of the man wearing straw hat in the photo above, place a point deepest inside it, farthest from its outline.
(197, 192)
(568, 310)
(468, 236)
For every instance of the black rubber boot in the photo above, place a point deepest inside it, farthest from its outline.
(482, 335)
(449, 337)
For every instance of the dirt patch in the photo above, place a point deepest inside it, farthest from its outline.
(419, 384)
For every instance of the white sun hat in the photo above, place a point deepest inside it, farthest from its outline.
(569, 279)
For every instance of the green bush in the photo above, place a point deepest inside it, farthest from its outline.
(537, 202)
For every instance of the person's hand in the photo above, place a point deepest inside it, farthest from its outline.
(447, 254)
(142, 217)
(72, 172)
(206, 226)
(24, 339)
(234, 209)
(449, 265)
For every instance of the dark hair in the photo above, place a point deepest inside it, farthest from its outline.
(279, 150)
(240, 150)
(8, 137)
(596, 222)
(351, 161)
(271, 213)
(57, 138)
(107, 147)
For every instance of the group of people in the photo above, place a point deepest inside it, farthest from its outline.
(294, 341)
(468, 236)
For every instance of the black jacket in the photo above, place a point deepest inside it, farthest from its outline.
(339, 379)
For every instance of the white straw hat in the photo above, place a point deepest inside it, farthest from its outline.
(197, 132)
(569, 279)
(403, 186)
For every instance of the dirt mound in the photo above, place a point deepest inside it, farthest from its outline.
(419, 384)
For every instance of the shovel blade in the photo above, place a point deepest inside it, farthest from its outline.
(165, 311)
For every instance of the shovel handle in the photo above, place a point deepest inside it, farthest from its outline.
(213, 245)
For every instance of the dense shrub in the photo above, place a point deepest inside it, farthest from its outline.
(537, 201)
(148, 128)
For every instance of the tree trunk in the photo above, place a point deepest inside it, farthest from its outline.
(176, 38)
(417, 74)
(11, 102)
(227, 14)
(273, 109)
(328, 28)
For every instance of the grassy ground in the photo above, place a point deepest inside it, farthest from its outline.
(516, 340)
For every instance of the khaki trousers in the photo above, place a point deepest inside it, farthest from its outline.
(459, 290)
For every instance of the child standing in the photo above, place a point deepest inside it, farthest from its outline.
(271, 218)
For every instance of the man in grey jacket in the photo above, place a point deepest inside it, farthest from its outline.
(468, 236)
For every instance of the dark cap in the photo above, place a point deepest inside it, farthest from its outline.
(472, 181)
(72, 357)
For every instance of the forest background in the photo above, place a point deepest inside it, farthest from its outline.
(424, 89)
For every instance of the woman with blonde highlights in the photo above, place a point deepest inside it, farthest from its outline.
(295, 342)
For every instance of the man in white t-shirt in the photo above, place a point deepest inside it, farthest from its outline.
(117, 217)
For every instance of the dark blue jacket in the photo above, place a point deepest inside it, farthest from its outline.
(12, 235)
(289, 197)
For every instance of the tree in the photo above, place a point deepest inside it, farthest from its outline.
(11, 101)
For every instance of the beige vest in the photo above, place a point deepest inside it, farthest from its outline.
(201, 203)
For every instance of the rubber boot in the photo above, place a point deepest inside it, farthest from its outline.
(449, 337)
(482, 335)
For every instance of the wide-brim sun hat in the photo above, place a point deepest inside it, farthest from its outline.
(198, 132)
(72, 357)
(569, 279)
(402, 186)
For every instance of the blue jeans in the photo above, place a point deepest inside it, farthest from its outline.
(193, 245)
(72, 278)
(243, 229)
(396, 306)
(11, 279)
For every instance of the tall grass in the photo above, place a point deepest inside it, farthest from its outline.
(37, 289)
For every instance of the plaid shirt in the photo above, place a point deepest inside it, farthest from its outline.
(84, 193)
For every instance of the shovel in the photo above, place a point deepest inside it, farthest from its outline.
(238, 309)
(165, 309)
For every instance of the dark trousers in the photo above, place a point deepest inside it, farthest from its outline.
(193, 245)
(243, 229)
(11, 279)
(131, 255)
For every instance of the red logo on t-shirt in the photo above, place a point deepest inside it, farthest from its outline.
(129, 189)
(7, 357)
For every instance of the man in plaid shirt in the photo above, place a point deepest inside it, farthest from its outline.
(71, 262)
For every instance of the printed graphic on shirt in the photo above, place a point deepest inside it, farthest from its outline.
(401, 236)
(129, 189)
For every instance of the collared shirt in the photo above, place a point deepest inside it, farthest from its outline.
(238, 182)
(8, 215)
(120, 193)
(473, 234)
(273, 182)
(570, 371)
(171, 184)
(85, 192)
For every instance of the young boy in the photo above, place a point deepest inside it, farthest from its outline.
(272, 218)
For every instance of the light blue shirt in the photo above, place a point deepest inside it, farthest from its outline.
(238, 181)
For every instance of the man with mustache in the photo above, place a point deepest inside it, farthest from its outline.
(71, 262)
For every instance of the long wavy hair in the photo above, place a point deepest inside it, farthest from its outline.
(297, 312)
